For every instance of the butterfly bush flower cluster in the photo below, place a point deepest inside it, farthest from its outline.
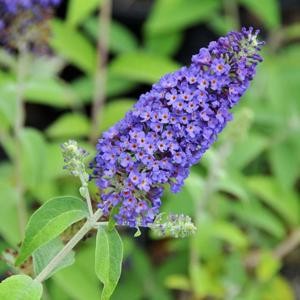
(24, 20)
(170, 128)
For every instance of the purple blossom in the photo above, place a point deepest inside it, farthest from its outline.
(18, 17)
(171, 126)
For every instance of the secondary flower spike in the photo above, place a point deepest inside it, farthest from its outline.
(24, 21)
(171, 126)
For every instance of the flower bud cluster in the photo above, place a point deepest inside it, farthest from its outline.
(177, 226)
(74, 158)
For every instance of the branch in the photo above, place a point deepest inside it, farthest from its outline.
(101, 70)
(90, 223)
(283, 249)
(18, 127)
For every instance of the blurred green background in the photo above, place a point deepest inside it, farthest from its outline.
(244, 195)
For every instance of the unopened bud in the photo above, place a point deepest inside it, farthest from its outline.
(173, 225)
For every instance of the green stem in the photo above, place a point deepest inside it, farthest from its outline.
(90, 223)
(87, 195)
(18, 127)
(209, 188)
(231, 10)
(101, 69)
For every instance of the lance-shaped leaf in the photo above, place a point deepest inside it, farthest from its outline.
(46, 253)
(49, 221)
(108, 262)
(20, 287)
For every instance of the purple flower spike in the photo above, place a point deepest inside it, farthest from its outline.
(171, 126)
(18, 18)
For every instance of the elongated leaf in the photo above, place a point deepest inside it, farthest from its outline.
(284, 202)
(267, 267)
(84, 87)
(108, 259)
(267, 10)
(7, 101)
(164, 44)
(114, 111)
(173, 15)
(64, 39)
(45, 67)
(49, 91)
(247, 150)
(49, 221)
(33, 149)
(283, 158)
(229, 233)
(120, 40)
(57, 292)
(254, 214)
(9, 227)
(279, 288)
(69, 126)
(79, 10)
(46, 253)
(142, 67)
(20, 287)
(79, 281)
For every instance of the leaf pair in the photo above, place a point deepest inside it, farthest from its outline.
(49, 221)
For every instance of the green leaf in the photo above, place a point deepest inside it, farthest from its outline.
(247, 150)
(142, 67)
(20, 287)
(178, 282)
(292, 31)
(79, 280)
(44, 67)
(285, 203)
(64, 39)
(49, 221)
(283, 158)
(267, 267)
(69, 125)
(9, 226)
(7, 59)
(221, 24)
(267, 10)
(57, 292)
(164, 44)
(54, 163)
(279, 288)
(191, 190)
(49, 91)
(175, 15)
(114, 111)
(254, 214)
(108, 259)
(33, 149)
(7, 101)
(79, 10)
(84, 87)
(229, 233)
(120, 40)
(46, 253)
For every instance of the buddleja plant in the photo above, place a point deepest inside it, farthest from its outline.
(160, 138)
